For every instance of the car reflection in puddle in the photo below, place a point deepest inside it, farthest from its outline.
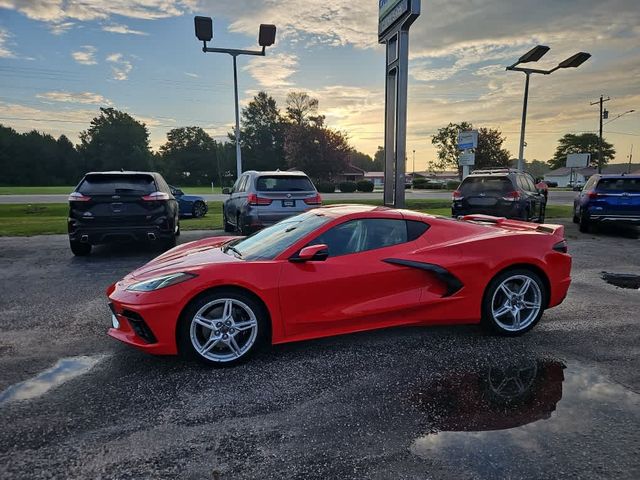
(63, 371)
(484, 421)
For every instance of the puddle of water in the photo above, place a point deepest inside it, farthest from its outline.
(63, 371)
(485, 421)
(622, 280)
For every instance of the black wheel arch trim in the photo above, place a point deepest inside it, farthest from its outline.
(452, 282)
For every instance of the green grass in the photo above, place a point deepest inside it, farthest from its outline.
(51, 218)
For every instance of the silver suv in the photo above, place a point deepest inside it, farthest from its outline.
(260, 199)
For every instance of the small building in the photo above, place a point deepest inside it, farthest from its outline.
(376, 177)
(564, 176)
(443, 176)
(350, 174)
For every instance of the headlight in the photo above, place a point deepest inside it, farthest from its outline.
(161, 282)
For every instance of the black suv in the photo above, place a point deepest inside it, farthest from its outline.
(502, 193)
(122, 206)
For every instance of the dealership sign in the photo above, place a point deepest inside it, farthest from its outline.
(467, 159)
(390, 11)
(468, 140)
(578, 160)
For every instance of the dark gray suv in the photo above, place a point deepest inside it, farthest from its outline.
(502, 193)
(260, 199)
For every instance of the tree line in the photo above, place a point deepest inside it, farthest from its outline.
(271, 138)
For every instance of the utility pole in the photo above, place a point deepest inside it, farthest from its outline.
(601, 103)
(630, 157)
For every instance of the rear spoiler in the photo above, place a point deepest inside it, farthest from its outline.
(556, 230)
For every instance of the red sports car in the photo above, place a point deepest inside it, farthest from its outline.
(340, 269)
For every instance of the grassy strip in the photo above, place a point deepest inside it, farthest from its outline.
(51, 218)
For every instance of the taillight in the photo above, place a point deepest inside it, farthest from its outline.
(457, 195)
(156, 197)
(256, 200)
(561, 247)
(593, 194)
(511, 196)
(78, 197)
(315, 200)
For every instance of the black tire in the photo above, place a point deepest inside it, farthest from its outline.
(490, 323)
(178, 231)
(202, 305)
(198, 210)
(228, 228)
(241, 228)
(584, 223)
(80, 249)
(543, 213)
(169, 242)
(576, 219)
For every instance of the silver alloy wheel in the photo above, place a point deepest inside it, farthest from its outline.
(516, 303)
(223, 330)
(512, 382)
(198, 210)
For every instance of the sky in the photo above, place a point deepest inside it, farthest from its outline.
(61, 60)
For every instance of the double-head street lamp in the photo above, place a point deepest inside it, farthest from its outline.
(266, 38)
(534, 55)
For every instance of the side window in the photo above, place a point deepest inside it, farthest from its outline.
(531, 184)
(234, 189)
(364, 234)
(590, 184)
(521, 182)
(242, 185)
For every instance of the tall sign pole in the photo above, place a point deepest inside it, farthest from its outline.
(394, 19)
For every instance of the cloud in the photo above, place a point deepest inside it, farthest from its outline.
(85, 98)
(58, 11)
(86, 56)
(120, 67)
(5, 51)
(60, 28)
(192, 75)
(273, 70)
(122, 29)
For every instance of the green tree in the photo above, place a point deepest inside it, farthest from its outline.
(115, 140)
(536, 168)
(262, 134)
(189, 157)
(301, 108)
(361, 160)
(378, 160)
(322, 153)
(581, 143)
(490, 151)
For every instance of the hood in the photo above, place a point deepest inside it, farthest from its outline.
(186, 257)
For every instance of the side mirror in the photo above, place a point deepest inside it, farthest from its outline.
(315, 253)
(226, 191)
(179, 193)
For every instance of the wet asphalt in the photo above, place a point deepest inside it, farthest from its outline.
(404, 403)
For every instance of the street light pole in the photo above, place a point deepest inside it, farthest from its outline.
(523, 123)
(235, 88)
(533, 55)
(266, 38)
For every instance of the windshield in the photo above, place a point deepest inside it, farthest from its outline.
(281, 183)
(475, 185)
(272, 241)
(619, 185)
(112, 184)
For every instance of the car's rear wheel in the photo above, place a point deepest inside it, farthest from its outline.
(585, 224)
(228, 228)
(241, 228)
(199, 209)
(576, 219)
(80, 249)
(514, 302)
(223, 328)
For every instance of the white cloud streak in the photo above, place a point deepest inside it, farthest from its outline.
(274, 70)
(122, 29)
(85, 56)
(84, 98)
(5, 50)
(120, 68)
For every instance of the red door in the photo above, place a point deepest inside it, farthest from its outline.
(350, 291)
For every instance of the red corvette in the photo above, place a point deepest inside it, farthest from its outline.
(340, 269)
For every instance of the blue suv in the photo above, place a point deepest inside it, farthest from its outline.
(610, 199)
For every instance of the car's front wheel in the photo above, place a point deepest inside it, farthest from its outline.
(223, 328)
(514, 302)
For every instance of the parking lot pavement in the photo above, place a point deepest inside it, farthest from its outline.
(400, 403)
(556, 197)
